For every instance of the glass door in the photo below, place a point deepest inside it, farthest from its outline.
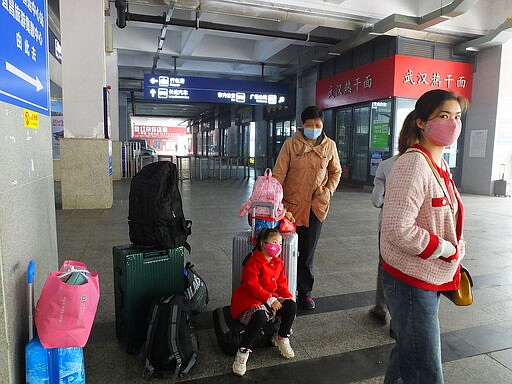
(360, 143)
(343, 138)
(352, 140)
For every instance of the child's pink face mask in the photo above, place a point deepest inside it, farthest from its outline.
(273, 249)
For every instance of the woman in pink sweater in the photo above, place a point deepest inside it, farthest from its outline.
(421, 237)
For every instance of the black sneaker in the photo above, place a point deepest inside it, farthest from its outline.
(307, 303)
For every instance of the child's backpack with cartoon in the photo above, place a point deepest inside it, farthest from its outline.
(266, 189)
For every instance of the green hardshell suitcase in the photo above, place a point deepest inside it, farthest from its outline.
(142, 274)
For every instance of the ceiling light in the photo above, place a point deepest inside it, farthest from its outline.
(375, 33)
(472, 49)
(317, 61)
(334, 53)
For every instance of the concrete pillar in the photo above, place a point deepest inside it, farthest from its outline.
(502, 159)
(488, 129)
(86, 179)
(306, 92)
(116, 160)
(480, 120)
(27, 207)
(124, 129)
(86, 172)
(113, 82)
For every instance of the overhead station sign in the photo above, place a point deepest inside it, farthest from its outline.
(24, 54)
(201, 89)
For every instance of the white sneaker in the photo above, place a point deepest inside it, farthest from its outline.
(283, 344)
(240, 363)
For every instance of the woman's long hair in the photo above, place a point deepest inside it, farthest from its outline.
(426, 105)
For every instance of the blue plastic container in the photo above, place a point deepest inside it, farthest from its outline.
(53, 365)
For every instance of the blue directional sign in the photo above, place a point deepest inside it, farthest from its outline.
(54, 46)
(202, 89)
(24, 54)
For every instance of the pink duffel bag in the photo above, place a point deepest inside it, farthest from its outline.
(66, 308)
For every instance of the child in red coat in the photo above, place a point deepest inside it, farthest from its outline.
(263, 294)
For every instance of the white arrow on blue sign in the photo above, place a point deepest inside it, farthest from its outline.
(24, 54)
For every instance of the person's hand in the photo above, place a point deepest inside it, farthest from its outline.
(445, 251)
(289, 216)
(461, 248)
(276, 305)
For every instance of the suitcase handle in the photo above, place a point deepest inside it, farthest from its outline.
(259, 204)
(157, 255)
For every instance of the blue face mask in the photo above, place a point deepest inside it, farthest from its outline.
(312, 133)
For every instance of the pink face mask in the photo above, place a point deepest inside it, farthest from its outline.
(273, 249)
(443, 131)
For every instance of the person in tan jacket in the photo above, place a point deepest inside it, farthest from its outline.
(308, 167)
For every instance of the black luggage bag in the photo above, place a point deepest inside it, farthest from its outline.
(230, 332)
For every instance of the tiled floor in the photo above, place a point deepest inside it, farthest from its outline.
(338, 342)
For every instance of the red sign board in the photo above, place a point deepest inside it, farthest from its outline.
(394, 76)
(157, 132)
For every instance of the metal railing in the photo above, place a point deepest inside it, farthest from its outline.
(131, 160)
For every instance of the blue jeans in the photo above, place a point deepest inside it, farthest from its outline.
(416, 356)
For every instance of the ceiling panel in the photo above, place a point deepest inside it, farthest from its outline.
(230, 38)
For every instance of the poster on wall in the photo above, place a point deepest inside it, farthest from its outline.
(380, 135)
(375, 160)
(57, 127)
(167, 135)
(477, 143)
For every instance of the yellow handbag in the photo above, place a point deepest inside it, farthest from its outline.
(464, 295)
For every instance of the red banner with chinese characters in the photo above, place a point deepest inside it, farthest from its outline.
(416, 75)
(394, 76)
(157, 132)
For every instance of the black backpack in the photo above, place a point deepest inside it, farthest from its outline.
(171, 343)
(155, 215)
(230, 332)
(196, 290)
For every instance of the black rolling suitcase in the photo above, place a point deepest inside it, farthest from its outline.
(142, 274)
